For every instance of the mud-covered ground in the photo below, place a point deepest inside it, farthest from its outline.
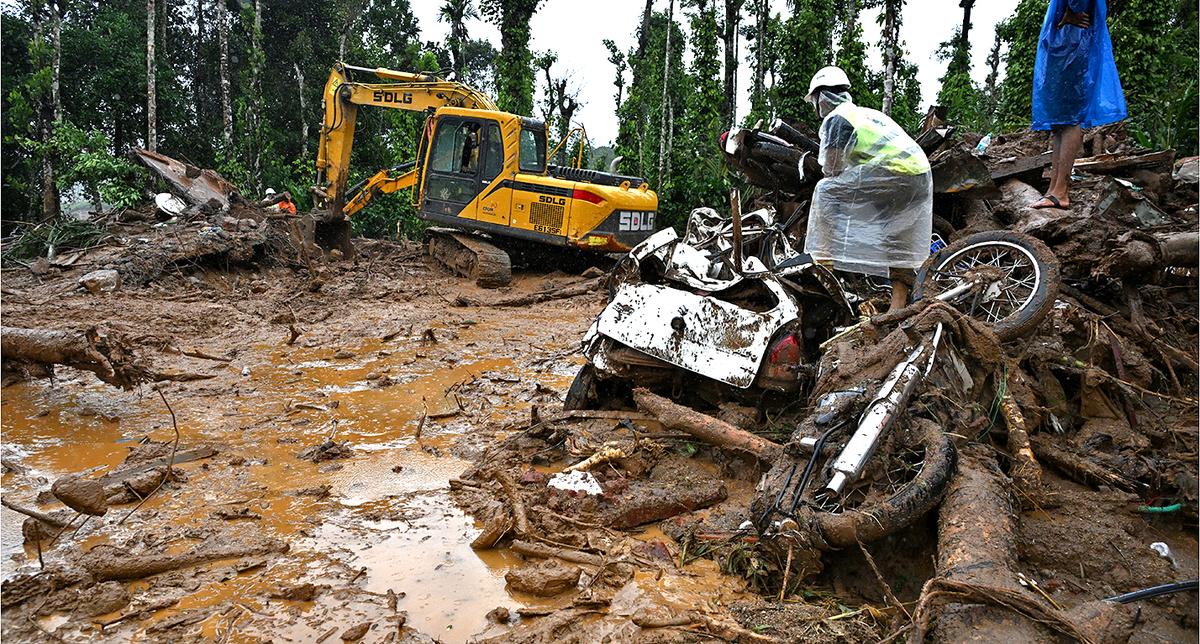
(400, 391)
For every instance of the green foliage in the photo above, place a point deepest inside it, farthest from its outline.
(852, 58)
(763, 44)
(89, 161)
(803, 49)
(63, 235)
(514, 68)
(1155, 46)
(959, 94)
(699, 175)
(1020, 33)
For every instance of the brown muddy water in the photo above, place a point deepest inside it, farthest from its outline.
(387, 524)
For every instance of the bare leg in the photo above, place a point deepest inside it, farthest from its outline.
(1069, 142)
(1055, 153)
(899, 296)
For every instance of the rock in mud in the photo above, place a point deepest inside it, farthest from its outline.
(355, 633)
(101, 281)
(300, 593)
(81, 494)
(674, 487)
(107, 597)
(327, 451)
(544, 580)
(499, 615)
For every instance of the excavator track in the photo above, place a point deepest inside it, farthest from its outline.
(469, 256)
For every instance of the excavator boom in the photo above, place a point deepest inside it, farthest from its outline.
(403, 90)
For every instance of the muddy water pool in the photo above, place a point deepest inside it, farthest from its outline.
(387, 523)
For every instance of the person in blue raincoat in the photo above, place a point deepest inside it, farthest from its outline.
(1075, 85)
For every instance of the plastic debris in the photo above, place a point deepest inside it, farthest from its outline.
(577, 481)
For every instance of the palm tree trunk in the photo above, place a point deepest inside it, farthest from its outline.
(223, 19)
(890, 33)
(151, 107)
(666, 75)
(303, 111)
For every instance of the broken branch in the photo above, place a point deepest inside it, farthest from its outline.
(704, 427)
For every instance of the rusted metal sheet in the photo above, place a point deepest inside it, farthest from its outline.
(198, 187)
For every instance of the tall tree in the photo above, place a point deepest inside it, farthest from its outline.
(762, 37)
(700, 179)
(151, 94)
(852, 54)
(617, 59)
(254, 100)
(664, 106)
(890, 41)
(804, 48)
(990, 89)
(1016, 89)
(965, 31)
(456, 13)
(223, 22)
(514, 73)
(729, 36)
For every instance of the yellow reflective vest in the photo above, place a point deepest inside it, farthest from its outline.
(878, 140)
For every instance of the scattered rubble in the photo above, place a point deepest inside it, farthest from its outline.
(632, 519)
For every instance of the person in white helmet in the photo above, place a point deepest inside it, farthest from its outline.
(873, 211)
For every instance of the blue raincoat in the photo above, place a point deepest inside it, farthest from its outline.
(1075, 77)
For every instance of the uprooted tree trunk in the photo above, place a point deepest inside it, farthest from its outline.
(977, 530)
(976, 585)
(704, 427)
(108, 356)
(111, 563)
(34, 352)
(1141, 253)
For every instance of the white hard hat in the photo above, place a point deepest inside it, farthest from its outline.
(830, 76)
(270, 191)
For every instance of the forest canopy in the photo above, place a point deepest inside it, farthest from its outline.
(236, 85)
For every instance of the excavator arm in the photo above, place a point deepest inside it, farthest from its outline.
(341, 100)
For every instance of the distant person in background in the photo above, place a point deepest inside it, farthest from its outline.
(1075, 85)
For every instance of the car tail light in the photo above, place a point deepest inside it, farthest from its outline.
(783, 361)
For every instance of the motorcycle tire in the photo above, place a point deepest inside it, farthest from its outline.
(1045, 272)
(582, 392)
(913, 500)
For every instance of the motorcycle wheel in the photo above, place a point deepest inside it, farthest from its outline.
(582, 393)
(1028, 288)
(913, 484)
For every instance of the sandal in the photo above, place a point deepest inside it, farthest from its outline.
(1054, 203)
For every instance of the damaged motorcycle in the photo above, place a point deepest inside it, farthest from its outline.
(731, 311)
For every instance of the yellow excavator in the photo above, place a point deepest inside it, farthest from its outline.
(479, 172)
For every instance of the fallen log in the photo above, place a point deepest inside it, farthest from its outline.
(1077, 467)
(514, 499)
(1137, 254)
(977, 532)
(1026, 473)
(1105, 163)
(108, 356)
(109, 563)
(571, 290)
(723, 628)
(542, 551)
(704, 427)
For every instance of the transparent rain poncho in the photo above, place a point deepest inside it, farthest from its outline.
(874, 209)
